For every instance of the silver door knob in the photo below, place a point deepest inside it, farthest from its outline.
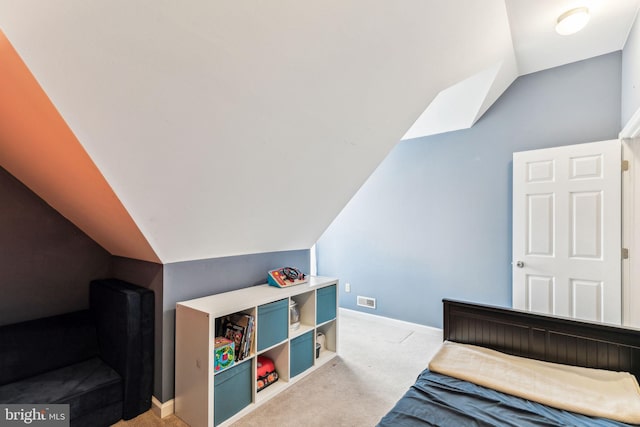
(519, 264)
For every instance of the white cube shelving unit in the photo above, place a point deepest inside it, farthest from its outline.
(292, 351)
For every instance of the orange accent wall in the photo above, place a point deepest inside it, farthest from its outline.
(38, 148)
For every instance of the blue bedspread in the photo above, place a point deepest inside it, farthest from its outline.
(439, 400)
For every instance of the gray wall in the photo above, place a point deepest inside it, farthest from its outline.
(434, 220)
(631, 73)
(194, 279)
(46, 262)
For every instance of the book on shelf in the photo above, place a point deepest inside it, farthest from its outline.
(239, 329)
(247, 345)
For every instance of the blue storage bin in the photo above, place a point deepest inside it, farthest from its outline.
(326, 304)
(231, 391)
(273, 323)
(301, 353)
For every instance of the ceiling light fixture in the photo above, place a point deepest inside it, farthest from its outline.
(572, 21)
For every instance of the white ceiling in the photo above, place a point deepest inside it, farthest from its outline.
(539, 47)
(533, 46)
(230, 128)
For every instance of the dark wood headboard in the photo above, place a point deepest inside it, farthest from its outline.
(541, 337)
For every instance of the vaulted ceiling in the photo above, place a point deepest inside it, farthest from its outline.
(172, 131)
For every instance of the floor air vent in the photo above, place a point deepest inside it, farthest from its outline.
(366, 302)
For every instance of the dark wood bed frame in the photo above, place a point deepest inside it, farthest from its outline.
(541, 337)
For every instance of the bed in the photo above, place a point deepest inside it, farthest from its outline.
(443, 400)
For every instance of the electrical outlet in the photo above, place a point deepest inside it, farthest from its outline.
(347, 287)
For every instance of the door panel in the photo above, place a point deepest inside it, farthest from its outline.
(586, 225)
(567, 231)
(540, 171)
(540, 294)
(540, 234)
(586, 167)
(587, 300)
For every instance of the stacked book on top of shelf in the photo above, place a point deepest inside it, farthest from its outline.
(239, 329)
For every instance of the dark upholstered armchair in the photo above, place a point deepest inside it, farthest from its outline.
(99, 361)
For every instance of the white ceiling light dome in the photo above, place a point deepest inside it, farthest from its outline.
(572, 21)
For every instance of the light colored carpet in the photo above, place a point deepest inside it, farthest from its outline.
(378, 362)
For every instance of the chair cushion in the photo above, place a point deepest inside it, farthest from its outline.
(86, 386)
(37, 346)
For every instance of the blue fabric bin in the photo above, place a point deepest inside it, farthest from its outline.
(302, 352)
(231, 391)
(273, 323)
(326, 304)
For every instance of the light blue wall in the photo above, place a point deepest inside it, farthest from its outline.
(193, 279)
(434, 220)
(631, 73)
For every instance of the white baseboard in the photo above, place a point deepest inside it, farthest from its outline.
(160, 409)
(391, 322)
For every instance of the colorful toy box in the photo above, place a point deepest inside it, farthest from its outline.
(224, 353)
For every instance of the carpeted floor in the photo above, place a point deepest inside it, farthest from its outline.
(378, 362)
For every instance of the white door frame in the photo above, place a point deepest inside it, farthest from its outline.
(631, 232)
(632, 128)
(630, 136)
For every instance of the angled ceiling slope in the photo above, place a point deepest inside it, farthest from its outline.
(229, 128)
(459, 106)
(37, 146)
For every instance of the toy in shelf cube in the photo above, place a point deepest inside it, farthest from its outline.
(266, 374)
(224, 353)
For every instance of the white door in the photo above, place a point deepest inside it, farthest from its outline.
(567, 231)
